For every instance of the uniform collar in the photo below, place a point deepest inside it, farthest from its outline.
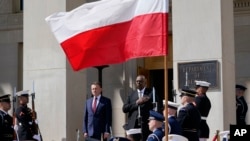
(3, 111)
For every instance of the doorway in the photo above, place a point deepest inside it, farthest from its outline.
(156, 80)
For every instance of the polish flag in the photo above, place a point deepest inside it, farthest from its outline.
(111, 31)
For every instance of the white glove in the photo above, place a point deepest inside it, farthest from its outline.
(37, 137)
(16, 127)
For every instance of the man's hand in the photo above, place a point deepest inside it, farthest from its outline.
(85, 135)
(142, 100)
(106, 135)
(16, 127)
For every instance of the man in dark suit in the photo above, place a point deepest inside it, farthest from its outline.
(241, 109)
(98, 114)
(189, 117)
(203, 104)
(137, 106)
(6, 121)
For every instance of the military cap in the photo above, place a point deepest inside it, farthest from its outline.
(23, 93)
(241, 87)
(5, 98)
(224, 135)
(188, 92)
(119, 139)
(202, 83)
(173, 105)
(153, 115)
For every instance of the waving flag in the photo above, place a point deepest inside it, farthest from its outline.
(111, 31)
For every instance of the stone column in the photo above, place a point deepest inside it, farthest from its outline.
(203, 31)
(60, 91)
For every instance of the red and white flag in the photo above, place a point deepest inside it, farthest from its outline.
(111, 31)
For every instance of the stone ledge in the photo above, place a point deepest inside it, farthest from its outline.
(241, 5)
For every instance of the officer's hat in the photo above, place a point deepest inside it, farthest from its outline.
(23, 93)
(173, 105)
(175, 137)
(224, 135)
(188, 92)
(202, 84)
(241, 87)
(155, 116)
(5, 98)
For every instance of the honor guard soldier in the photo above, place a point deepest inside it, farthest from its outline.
(24, 116)
(174, 125)
(241, 107)
(203, 104)
(189, 117)
(155, 125)
(6, 121)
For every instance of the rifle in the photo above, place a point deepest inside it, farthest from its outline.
(14, 105)
(173, 92)
(35, 128)
(155, 104)
(77, 135)
(186, 82)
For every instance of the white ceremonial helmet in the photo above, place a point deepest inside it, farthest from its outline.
(202, 83)
(175, 137)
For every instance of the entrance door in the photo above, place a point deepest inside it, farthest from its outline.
(155, 78)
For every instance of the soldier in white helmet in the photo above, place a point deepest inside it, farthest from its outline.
(203, 104)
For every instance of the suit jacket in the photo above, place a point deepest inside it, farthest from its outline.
(131, 108)
(99, 122)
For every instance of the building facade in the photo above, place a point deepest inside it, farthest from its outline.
(199, 31)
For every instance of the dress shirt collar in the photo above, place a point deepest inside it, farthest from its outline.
(98, 97)
(142, 91)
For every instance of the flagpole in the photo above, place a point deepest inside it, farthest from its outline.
(166, 81)
(166, 95)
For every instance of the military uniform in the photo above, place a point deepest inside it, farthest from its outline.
(24, 118)
(174, 125)
(158, 133)
(241, 110)
(241, 107)
(203, 104)
(189, 118)
(6, 123)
